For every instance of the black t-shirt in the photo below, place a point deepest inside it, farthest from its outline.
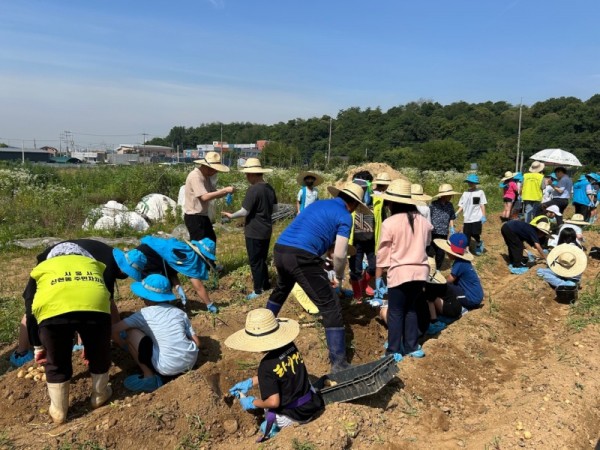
(282, 371)
(155, 263)
(259, 201)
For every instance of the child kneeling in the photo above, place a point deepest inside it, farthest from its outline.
(160, 336)
(285, 390)
(566, 263)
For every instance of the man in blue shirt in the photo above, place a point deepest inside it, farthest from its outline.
(297, 256)
(561, 191)
(515, 233)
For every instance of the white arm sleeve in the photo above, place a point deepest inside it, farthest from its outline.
(240, 213)
(339, 256)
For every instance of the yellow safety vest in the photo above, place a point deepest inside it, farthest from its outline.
(67, 284)
(378, 213)
(531, 191)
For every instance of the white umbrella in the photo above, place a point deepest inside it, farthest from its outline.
(556, 157)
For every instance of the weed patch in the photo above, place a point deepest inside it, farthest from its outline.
(586, 310)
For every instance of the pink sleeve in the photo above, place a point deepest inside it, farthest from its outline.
(385, 247)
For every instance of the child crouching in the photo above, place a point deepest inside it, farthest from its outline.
(160, 336)
(285, 390)
(566, 263)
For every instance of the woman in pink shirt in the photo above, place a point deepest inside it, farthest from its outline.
(404, 237)
(511, 191)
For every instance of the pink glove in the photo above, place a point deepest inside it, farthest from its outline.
(39, 354)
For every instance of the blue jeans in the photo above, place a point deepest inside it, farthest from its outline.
(531, 210)
(554, 280)
(403, 325)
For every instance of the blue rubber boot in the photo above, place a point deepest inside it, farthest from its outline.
(252, 295)
(479, 248)
(336, 342)
(274, 307)
(18, 359)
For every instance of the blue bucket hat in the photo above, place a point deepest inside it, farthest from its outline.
(553, 176)
(155, 288)
(206, 247)
(593, 176)
(472, 178)
(583, 178)
(131, 263)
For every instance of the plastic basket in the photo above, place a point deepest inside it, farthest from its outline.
(566, 294)
(358, 381)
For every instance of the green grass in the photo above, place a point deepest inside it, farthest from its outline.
(586, 310)
(197, 435)
(302, 445)
(11, 311)
(6, 443)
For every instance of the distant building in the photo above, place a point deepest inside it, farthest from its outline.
(144, 150)
(229, 151)
(24, 154)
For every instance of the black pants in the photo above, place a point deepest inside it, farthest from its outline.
(515, 246)
(355, 262)
(436, 252)
(298, 266)
(258, 251)
(472, 230)
(199, 227)
(584, 210)
(57, 335)
(402, 319)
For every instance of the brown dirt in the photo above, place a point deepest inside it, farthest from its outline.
(508, 375)
(375, 169)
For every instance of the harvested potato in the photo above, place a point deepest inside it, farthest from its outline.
(20, 373)
(29, 376)
(30, 369)
(37, 377)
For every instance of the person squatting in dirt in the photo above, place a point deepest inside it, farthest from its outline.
(286, 393)
(297, 256)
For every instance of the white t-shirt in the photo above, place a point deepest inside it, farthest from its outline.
(471, 202)
(547, 194)
(425, 212)
(311, 196)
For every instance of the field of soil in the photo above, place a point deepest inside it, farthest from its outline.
(508, 375)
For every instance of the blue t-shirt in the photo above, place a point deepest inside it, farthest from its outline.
(525, 232)
(468, 280)
(580, 192)
(316, 228)
(567, 186)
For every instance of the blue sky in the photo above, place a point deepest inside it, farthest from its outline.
(109, 71)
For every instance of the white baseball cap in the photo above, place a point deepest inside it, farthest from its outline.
(554, 209)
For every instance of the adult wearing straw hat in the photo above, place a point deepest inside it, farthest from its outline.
(416, 190)
(532, 190)
(257, 209)
(404, 237)
(566, 263)
(308, 193)
(381, 182)
(442, 219)
(285, 390)
(200, 190)
(379, 185)
(515, 233)
(297, 255)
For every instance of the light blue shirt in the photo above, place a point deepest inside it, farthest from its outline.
(170, 329)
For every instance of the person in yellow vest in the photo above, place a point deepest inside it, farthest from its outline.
(532, 190)
(71, 297)
(380, 185)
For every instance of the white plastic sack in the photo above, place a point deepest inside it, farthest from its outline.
(129, 219)
(156, 207)
(181, 199)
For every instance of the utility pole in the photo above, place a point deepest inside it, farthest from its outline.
(22, 152)
(519, 138)
(329, 144)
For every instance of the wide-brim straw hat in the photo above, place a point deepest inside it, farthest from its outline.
(577, 219)
(253, 165)
(536, 166)
(302, 175)
(416, 190)
(212, 160)
(354, 191)
(399, 192)
(567, 260)
(382, 179)
(544, 227)
(445, 245)
(263, 332)
(508, 175)
(435, 276)
(155, 288)
(444, 190)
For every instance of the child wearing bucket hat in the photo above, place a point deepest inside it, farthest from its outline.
(442, 219)
(286, 393)
(463, 276)
(472, 204)
(257, 209)
(159, 337)
(566, 264)
(515, 233)
(511, 192)
(308, 193)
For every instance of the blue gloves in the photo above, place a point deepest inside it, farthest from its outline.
(123, 334)
(380, 288)
(247, 403)
(229, 199)
(211, 307)
(545, 251)
(502, 185)
(242, 387)
(182, 296)
(452, 231)
(555, 183)
(483, 219)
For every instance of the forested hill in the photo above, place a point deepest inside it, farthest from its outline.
(422, 134)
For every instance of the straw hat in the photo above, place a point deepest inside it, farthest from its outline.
(567, 260)
(205, 247)
(253, 165)
(536, 166)
(263, 332)
(399, 191)
(354, 191)
(444, 190)
(131, 263)
(302, 175)
(508, 175)
(435, 276)
(544, 227)
(416, 190)
(456, 245)
(155, 287)
(212, 160)
(382, 179)
(577, 219)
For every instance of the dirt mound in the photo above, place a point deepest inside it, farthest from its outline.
(374, 168)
